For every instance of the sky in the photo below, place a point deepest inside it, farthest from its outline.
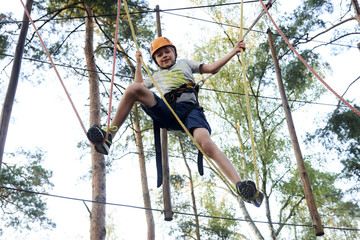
(42, 117)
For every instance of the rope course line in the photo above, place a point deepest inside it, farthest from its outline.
(274, 98)
(258, 31)
(60, 79)
(306, 64)
(248, 106)
(175, 212)
(113, 71)
(207, 6)
(56, 71)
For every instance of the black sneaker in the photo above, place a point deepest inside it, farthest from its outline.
(96, 135)
(247, 191)
(257, 201)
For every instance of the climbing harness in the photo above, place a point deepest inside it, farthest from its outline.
(189, 87)
(172, 97)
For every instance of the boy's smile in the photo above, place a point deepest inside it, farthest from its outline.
(165, 57)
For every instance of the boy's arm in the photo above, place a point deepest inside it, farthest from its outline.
(215, 66)
(138, 75)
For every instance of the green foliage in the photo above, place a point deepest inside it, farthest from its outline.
(219, 226)
(23, 209)
(105, 23)
(3, 37)
(66, 21)
(216, 226)
(342, 134)
(329, 200)
(185, 227)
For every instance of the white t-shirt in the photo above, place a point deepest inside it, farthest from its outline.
(172, 78)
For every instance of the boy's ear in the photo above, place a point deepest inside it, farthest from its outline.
(175, 52)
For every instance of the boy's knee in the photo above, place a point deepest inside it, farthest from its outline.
(135, 88)
(209, 147)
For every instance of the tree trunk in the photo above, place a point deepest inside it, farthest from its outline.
(14, 77)
(143, 174)
(193, 199)
(97, 217)
(356, 7)
(253, 227)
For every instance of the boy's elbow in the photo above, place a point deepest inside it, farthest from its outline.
(205, 68)
(215, 71)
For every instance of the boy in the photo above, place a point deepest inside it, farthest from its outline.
(172, 74)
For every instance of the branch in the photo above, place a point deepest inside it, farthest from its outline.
(73, 31)
(119, 48)
(57, 12)
(338, 105)
(277, 181)
(334, 40)
(332, 27)
(291, 213)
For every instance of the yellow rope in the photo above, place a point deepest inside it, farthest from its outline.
(248, 104)
(168, 105)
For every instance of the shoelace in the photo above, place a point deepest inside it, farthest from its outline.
(112, 129)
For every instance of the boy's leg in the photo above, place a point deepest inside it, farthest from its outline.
(246, 189)
(134, 92)
(202, 136)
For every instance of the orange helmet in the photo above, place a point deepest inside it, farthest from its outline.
(159, 43)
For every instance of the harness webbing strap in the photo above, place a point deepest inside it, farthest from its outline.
(200, 164)
(158, 156)
(171, 98)
(157, 141)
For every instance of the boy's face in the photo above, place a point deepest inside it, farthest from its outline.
(165, 57)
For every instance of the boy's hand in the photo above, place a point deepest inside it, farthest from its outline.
(137, 56)
(240, 45)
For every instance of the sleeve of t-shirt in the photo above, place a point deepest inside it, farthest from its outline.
(148, 83)
(194, 65)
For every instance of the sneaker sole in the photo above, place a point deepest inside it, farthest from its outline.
(95, 135)
(258, 201)
(247, 190)
(102, 149)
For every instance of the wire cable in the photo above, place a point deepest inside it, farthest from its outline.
(169, 11)
(161, 211)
